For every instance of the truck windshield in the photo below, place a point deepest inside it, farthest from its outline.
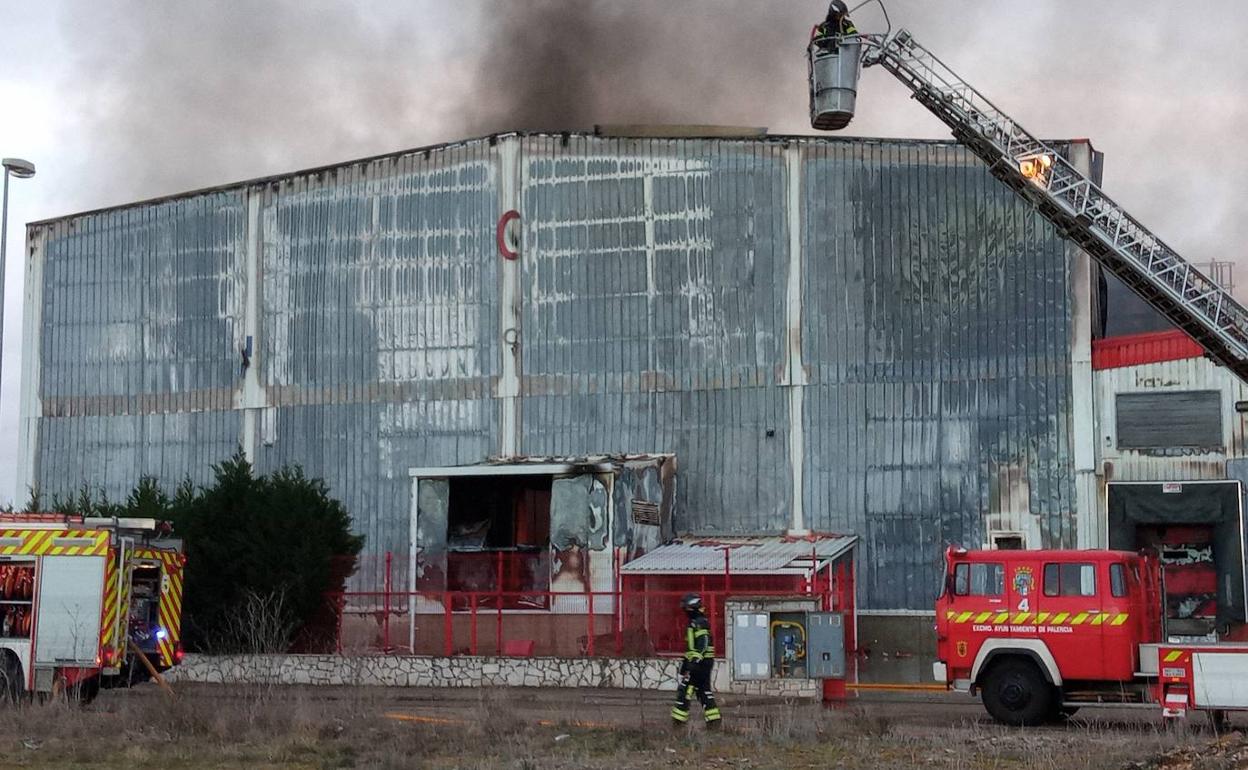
(979, 579)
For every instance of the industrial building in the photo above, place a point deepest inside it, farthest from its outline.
(787, 333)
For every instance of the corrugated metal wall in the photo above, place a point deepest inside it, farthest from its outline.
(654, 304)
(379, 352)
(138, 308)
(937, 339)
(654, 314)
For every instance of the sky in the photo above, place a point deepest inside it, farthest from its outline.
(120, 100)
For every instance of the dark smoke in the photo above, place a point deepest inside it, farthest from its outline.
(169, 96)
(552, 65)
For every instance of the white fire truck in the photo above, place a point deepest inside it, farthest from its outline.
(86, 603)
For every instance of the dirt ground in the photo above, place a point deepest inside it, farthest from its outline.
(207, 726)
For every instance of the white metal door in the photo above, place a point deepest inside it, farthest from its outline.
(1220, 680)
(71, 595)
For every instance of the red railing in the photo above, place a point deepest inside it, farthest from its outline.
(491, 603)
(629, 624)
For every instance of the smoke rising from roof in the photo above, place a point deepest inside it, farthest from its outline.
(558, 65)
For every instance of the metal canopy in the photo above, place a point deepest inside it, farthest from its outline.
(746, 555)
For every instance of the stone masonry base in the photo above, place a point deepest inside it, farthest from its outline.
(464, 671)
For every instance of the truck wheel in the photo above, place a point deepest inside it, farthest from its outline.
(12, 686)
(80, 693)
(1016, 693)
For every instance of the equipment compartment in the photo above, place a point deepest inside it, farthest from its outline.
(17, 593)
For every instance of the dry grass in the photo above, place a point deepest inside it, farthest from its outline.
(275, 727)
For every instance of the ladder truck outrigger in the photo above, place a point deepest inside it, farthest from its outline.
(86, 603)
(1042, 633)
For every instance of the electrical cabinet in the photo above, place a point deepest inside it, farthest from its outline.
(788, 645)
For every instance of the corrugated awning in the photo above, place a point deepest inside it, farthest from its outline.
(746, 556)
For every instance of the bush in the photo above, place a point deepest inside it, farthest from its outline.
(262, 553)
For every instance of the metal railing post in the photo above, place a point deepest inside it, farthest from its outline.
(448, 621)
(589, 644)
(385, 604)
(473, 624)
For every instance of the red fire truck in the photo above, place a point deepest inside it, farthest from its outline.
(1039, 634)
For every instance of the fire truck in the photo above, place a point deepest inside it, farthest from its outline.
(86, 603)
(1039, 634)
(1042, 632)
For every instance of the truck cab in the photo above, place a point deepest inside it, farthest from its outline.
(1037, 632)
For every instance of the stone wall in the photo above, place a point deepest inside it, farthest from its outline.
(462, 671)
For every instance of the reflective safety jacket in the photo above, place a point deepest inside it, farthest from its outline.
(698, 644)
(830, 29)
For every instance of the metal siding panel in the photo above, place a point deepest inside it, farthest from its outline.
(937, 339)
(654, 314)
(381, 301)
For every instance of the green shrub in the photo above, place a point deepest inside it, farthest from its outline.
(262, 554)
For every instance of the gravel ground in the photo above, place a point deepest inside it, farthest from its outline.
(215, 726)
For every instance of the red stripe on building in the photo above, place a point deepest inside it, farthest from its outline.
(1136, 349)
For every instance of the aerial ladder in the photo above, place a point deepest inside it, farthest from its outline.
(1077, 207)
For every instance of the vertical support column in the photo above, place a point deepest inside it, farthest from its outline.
(510, 337)
(252, 399)
(30, 407)
(1083, 431)
(794, 374)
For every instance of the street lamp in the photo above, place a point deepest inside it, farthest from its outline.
(22, 169)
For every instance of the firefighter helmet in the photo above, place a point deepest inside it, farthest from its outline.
(837, 10)
(691, 603)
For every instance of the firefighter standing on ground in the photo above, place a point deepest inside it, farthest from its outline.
(835, 26)
(695, 670)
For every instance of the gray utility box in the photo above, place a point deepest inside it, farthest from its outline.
(787, 645)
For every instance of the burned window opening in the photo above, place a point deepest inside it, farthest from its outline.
(498, 540)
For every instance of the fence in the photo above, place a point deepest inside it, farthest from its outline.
(637, 618)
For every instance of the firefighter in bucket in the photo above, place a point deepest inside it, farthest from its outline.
(695, 669)
(835, 26)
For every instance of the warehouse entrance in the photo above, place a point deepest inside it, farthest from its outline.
(1196, 530)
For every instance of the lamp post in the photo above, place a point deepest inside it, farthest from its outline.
(22, 169)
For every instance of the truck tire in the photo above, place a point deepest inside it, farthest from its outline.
(1016, 693)
(12, 685)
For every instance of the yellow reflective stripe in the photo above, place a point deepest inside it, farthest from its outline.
(1173, 655)
(1039, 618)
(701, 632)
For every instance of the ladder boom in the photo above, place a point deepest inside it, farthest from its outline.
(1079, 209)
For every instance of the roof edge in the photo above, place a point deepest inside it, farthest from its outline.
(493, 138)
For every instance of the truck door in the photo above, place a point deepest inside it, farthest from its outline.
(1069, 618)
(71, 596)
(1118, 629)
